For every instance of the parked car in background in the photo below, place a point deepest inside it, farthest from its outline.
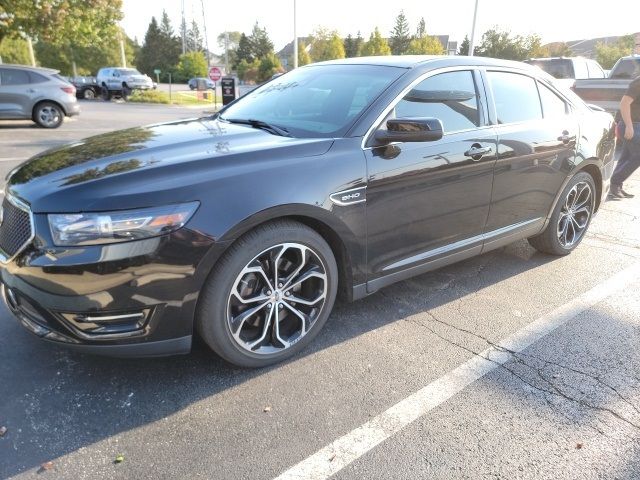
(38, 94)
(193, 83)
(86, 87)
(566, 70)
(606, 93)
(115, 81)
(346, 175)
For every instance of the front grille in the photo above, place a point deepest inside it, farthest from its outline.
(15, 230)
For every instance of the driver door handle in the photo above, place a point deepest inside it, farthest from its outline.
(476, 153)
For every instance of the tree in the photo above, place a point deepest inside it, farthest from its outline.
(500, 44)
(560, 49)
(608, 55)
(303, 55)
(464, 46)
(192, 64)
(195, 42)
(534, 47)
(376, 45)
(87, 22)
(15, 50)
(269, 66)
(244, 52)
(161, 48)
(400, 37)
(421, 31)
(234, 41)
(350, 49)
(261, 45)
(426, 45)
(326, 45)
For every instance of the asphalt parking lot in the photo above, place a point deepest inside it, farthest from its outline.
(513, 364)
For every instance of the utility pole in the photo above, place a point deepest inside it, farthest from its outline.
(206, 37)
(295, 36)
(473, 30)
(226, 52)
(31, 55)
(184, 31)
(123, 57)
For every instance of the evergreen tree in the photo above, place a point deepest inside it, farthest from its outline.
(421, 31)
(261, 45)
(244, 51)
(195, 42)
(376, 45)
(161, 48)
(350, 47)
(464, 46)
(303, 55)
(400, 37)
(359, 44)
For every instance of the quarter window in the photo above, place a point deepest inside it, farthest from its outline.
(450, 97)
(516, 97)
(552, 105)
(9, 76)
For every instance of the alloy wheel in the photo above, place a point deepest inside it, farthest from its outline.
(575, 214)
(49, 115)
(276, 298)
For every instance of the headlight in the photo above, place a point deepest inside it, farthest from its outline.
(70, 229)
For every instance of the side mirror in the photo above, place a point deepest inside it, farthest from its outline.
(410, 130)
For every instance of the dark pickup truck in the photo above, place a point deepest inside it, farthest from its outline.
(606, 93)
(86, 87)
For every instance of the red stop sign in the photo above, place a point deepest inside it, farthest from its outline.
(215, 74)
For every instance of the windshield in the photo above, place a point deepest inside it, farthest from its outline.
(129, 71)
(316, 101)
(556, 68)
(626, 68)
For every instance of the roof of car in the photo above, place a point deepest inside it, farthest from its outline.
(413, 61)
(49, 71)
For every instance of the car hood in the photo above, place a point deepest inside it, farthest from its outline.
(140, 78)
(135, 167)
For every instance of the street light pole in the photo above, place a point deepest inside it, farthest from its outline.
(295, 36)
(473, 30)
(206, 37)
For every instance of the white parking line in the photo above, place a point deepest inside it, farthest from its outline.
(12, 159)
(348, 448)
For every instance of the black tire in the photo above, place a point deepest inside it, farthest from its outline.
(212, 320)
(48, 115)
(106, 94)
(550, 240)
(88, 94)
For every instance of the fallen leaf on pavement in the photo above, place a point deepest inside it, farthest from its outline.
(267, 409)
(119, 459)
(47, 466)
(578, 446)
(332, 457)
(3, 431)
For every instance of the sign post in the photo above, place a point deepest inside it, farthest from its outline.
(157, 72)
(215, 74)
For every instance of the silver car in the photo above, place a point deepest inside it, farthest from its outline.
(38, 94)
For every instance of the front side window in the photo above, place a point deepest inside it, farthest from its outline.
(516, 97)
(450, 97)
(315, 101)
(552, 105)
(626, 68)
(10, 76)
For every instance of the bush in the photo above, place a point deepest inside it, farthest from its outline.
(149, 96)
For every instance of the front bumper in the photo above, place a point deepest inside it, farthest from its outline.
(132, 299)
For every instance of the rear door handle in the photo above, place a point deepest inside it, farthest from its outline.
(476, 153)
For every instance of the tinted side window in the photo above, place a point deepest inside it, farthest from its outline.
(450, 97)
(516, 97)
(552, 105)
(9, 76)
(37, 78)
(627, 68)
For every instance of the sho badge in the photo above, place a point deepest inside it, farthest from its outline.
(350, 197)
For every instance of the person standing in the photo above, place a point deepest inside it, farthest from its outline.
(630, 158)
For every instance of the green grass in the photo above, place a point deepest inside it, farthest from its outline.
(149, 96)
(177, 98)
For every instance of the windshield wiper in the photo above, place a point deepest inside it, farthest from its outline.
(275, 129)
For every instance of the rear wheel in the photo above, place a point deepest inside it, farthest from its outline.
(570, 219)
(48, 115)
(106, 93)
(126, 92)
(88, 94)
(269, 296)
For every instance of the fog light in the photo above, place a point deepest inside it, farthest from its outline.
(97, 324)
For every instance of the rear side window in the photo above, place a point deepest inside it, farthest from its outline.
(557, 68)
(10, 76)
(626, 68)
(516, 97)
(37, 78)
(450, 97)
(552, 105)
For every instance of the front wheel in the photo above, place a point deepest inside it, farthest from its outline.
(106, 94)
(570, 219)
(88, 94)
(269, 295)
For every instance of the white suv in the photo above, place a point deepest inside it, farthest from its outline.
(121, 81)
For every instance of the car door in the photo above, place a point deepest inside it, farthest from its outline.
(429, 200)
(537, 135)
(15, 93)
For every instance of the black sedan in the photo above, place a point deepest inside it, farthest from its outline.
(339, 177)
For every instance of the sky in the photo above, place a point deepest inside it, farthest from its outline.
(553, 20)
